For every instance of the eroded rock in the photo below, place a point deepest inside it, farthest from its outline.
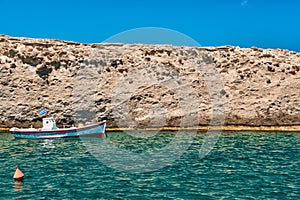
(261, 86)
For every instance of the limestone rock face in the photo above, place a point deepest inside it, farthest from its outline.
(146, 85)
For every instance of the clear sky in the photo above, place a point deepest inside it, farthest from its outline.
(245, 23)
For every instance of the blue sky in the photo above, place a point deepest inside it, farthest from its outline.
(245, 23)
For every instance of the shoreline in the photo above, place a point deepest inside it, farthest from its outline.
(217, 128)
(295, 128)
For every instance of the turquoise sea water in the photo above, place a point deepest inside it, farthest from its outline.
(240, 166)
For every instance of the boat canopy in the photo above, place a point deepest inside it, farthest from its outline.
(49, 123)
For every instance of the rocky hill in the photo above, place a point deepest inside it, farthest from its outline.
(146, 85)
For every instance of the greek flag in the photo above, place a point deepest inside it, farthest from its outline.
(43, 111)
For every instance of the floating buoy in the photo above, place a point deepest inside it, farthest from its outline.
(18, 176)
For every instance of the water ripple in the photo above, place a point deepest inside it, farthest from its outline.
(241, 166)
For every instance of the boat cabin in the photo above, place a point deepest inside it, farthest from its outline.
(49, 123)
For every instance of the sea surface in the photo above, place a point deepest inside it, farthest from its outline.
(242, 165)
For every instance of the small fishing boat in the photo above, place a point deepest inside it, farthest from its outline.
(50, 130)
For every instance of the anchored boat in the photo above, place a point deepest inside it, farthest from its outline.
(50, 130)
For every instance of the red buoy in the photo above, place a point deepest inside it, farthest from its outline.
(18, 176)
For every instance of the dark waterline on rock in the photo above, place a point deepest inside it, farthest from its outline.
(241, 165)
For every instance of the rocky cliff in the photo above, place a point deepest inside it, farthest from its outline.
(148, 85)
